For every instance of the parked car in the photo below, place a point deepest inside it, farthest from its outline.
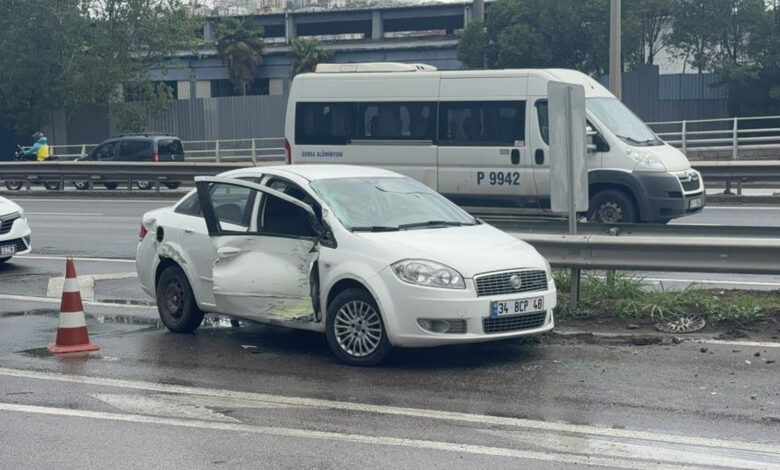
(369, 257)
(14, 231)
(137, 148)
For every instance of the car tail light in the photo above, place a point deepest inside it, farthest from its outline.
(155, 156)
(142, 233)
(288, 150)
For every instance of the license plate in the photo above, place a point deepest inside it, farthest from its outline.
(7, 250)
(513, 307)
(695, 203)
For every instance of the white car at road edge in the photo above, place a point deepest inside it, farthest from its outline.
(14, 230)
(369, 257)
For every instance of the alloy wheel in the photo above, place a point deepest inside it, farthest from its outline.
(358, 328)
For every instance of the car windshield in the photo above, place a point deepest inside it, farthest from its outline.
(622, 122)
(388, 203)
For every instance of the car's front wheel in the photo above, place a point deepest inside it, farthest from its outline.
(52, 185)
(176, 302)
(81, 185)
(144, 185)
(14, 185)
(173, 185)
(355, 329)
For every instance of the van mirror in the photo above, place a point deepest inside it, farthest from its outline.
(595, 142)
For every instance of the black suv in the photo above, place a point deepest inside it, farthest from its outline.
(137, 148)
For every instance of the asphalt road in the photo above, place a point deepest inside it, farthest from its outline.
(263, 397)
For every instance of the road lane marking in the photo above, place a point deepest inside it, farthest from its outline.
(397, 411)
(50, 300)
(107, 200)
(86, 284)
(65, 214)
(76, 258)
(568, 458)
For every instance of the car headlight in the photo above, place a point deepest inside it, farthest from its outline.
(21, 213)
(645, 161)
(427, 273)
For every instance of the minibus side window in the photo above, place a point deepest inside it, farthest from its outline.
(396, 121)
(325, 123)
(544, 120)
(482, 123)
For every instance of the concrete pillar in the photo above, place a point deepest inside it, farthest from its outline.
(466, 15)
(377, 27)
(208, 31)
(289, 28)
(478, 13)
(183, 89)
(203, 89)
(276, 86)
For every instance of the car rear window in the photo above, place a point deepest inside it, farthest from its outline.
(170, 146)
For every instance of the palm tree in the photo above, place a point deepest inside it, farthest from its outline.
(307, 55)
(240, 46)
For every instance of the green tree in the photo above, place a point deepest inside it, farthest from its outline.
(240, 46)
(472, 46)
(66, 54)
(549, 33)
(307, 54)
(647, 29)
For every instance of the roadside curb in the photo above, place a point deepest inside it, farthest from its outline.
(647, 338)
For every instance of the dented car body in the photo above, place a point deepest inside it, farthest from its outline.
(367, 256)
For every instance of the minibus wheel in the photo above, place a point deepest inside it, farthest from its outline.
(612, 206)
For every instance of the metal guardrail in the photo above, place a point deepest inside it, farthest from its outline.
(227, 150)
(729, 136)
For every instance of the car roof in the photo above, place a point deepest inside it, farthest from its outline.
(315, 172)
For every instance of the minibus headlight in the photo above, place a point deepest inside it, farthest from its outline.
(645, 161)
(429, 274)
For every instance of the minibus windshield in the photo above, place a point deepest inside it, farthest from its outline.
(385, 204)
(621, 121)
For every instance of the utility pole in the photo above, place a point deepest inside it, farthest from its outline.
(615, 59)
(478, 11)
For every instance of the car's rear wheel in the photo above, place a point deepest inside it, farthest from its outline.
(111, 186)
(612, 206)
(14, 185)
(81, 185)
(145, 185)
(52, 185)
(355, 329)
(173, 185)
(176, 302)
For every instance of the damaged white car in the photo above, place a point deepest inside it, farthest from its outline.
(371, 258)
(14, 230)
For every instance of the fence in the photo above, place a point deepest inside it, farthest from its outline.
(731, 138)
(227, 150)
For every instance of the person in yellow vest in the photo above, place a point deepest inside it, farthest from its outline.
(40, 149)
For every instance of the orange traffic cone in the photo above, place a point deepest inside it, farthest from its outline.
(72, 333)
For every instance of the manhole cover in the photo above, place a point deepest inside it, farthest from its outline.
(683, 324)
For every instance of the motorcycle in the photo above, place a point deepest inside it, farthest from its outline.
(17, 185)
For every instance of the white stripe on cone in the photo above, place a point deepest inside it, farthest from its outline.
(72, 320)
(71, 284)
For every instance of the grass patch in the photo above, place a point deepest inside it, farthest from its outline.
(628, 297)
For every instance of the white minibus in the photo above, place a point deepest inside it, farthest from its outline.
(481, 137)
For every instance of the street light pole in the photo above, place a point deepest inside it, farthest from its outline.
(615, 62)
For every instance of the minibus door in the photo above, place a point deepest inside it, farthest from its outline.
(484, 157)
(539, 142)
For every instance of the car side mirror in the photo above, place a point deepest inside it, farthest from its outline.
(595, 142)
(324, 233)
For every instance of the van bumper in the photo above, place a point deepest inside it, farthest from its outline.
(665, 197)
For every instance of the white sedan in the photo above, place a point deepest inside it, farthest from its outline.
(14, 231)
(369, 257)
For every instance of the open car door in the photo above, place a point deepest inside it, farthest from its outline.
(264, 262)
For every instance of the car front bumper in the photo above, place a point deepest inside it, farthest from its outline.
(403, 305)
(19, 235)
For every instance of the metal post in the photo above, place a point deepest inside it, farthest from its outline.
(574, 297)
(734, 141)
(478, 10)
(684, 138)
(254, 152)
(216, 150)
(615, 62)
(83, 150)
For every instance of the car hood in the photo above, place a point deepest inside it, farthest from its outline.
(7, 206)
(471, 250)
(672, 158)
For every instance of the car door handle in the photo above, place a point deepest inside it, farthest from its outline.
(228, 251)
(515, 156)
(188, 231)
